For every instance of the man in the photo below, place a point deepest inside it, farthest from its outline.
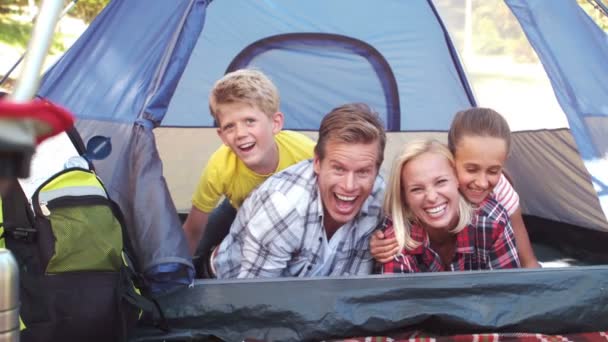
(314, 218)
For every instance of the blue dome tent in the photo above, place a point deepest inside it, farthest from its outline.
(141, 73)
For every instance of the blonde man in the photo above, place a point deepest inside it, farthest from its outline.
(245, 107)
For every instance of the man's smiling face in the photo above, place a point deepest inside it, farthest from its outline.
(346, 177)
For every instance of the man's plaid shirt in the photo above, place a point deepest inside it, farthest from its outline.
(278, 232)
(485, 244)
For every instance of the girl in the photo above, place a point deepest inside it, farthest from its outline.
(434, 225)
(480, 139)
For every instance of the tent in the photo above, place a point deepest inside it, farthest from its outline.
(141, 73)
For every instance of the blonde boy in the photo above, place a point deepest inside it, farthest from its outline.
(245, 106)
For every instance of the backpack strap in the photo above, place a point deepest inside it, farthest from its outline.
(132, 277)
(150, 307)
(19, 223)
(20, 237)
(18, 219)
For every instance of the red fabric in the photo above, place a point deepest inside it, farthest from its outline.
(54, 118)
(511, 337)
(486, 243)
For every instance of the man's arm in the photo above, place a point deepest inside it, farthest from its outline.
(271, 234)
(402, 263)
(382, 248)
(194, 227)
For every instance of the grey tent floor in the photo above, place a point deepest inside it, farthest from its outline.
(552, 257)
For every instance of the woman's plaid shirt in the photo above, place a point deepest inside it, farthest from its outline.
(485, 244)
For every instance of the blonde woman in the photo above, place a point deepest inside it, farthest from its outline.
(435, 227)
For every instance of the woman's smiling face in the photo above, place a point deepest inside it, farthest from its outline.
(431, 191)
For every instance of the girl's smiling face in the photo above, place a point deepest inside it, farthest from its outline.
(479, 163)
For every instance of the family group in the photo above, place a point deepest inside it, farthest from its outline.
(273, 203)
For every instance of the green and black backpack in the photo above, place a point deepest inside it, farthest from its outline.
(76, 275)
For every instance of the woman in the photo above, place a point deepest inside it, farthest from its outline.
(480, 140)
(435, 227)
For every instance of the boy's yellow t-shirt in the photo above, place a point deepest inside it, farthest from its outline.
(226, 175)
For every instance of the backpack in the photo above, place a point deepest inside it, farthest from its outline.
(76, 272)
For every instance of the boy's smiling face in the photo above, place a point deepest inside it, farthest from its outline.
(249, 132)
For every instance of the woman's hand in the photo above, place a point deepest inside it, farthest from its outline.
(383, 249)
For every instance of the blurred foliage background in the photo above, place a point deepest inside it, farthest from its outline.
(502, 37)
(85, 9)
(17, 16)
(16, 22)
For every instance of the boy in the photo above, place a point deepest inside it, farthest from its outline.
(245, 106)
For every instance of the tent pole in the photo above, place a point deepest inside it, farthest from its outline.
(38, 47)
(600, 6)
(17, 137)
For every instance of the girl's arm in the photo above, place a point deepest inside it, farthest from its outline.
(524, 247)
(508, 197)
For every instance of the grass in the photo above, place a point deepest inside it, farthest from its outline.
(16, 34)
(16, 30)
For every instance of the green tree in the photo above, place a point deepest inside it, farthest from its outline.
(498, 32)
(600, 18)
(84, 9)
(16, 23)
(87, 10)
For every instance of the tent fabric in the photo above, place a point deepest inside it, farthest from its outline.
(563, 192)
(311, 78)
(116, 79)
(574, 51)
(515, 337)
(506, 301)
(312, 81)
(154, 63)
(128, 61)
(154, 227)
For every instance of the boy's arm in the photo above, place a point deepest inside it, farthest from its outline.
(208, 192)
(194, 227)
